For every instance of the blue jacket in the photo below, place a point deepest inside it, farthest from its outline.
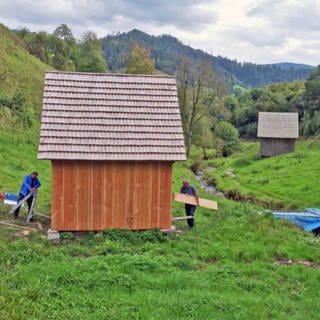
(29, 183)
(190, 190)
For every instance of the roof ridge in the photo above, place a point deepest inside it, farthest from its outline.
(111, 74)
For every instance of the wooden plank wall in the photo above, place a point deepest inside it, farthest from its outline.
(97, 195)
(272, 146)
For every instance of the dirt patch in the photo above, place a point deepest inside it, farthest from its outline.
(289, 262)
(19, 228)
(207, 262)
(235, 195)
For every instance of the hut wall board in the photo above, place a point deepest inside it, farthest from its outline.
(98, 195)
(274, 146)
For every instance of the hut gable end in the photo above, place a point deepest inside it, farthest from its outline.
(90, 116)
(277, 132)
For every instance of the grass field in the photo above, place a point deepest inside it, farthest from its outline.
(291, 179)
(229, 267)
(235, 263)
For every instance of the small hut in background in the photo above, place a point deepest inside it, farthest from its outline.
(112, 140)
(278, 132)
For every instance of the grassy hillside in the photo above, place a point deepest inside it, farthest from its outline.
(291, 180)
(233, 265)
(23, 74)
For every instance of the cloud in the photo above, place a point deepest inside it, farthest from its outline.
(260, 31)
(180, 13)
(292, 15)
(258, 36)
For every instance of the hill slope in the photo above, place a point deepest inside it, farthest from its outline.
(231, 266)
(235, 264)
(289, 180)
(167, 52)
(20, 73)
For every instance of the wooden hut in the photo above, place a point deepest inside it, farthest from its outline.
(278, 132)
(112, 140)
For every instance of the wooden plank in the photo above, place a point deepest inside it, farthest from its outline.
(182, 218)
(185, 198)
(155, 198)
(41, 214)
(149, 195)
(144, 222)
(165, 195)
(69, 195)
(96, 195)
(119, 189)
(108, 195)
(83, 195)
(130, 196)
(137, 200)
(169, 193)
(56, 195)
(140, 196)
(11, 225)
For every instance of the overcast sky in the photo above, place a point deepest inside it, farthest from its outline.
(261, 31)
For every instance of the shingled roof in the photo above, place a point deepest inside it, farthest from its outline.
(278, 125)
(98, 116)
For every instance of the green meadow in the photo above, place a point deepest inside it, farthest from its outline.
(291, 180)
(235, 264)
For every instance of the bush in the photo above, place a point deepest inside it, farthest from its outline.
(197, 165)
(227, 138)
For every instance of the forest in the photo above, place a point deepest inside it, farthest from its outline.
(167, 52)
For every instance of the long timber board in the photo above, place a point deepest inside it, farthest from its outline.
(185, 198)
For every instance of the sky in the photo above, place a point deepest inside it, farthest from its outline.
(260, 31)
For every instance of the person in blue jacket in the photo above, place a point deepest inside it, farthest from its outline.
(189, 208)
(30, 184)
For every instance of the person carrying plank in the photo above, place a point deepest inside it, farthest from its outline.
(189, 208)
(30, 184)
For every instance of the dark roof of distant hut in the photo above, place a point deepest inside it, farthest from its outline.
(282, 125)
(97, 116)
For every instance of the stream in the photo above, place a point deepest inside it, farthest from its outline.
(203, 182)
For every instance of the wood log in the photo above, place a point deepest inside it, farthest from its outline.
(182, 218)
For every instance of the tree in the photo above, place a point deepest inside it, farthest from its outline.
(227, 137)
(312, 93)
(279, 97)
(139, 61)
(90, 57)
(59, 49)
(37, 45)
(311, 118)
(203, 136)
(199, 89)
(63, 32)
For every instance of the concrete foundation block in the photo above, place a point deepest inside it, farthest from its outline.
(53, 236)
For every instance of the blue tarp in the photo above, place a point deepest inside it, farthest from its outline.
(10, 198)
(309, 219)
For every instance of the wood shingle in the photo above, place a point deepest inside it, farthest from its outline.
(282, 125)
(89, 116)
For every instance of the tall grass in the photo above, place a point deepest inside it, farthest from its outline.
(292, 179)
(223, 269)
(227, 267)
